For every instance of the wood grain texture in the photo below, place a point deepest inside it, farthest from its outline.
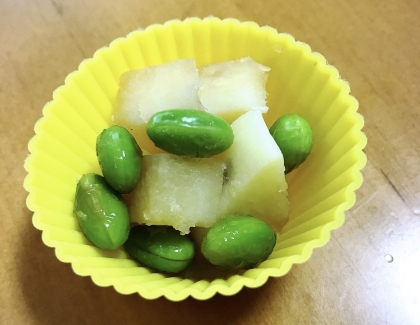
(376, 47)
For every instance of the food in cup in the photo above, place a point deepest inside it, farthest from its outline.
(160, 247)
(181, 192)
(101, 212)
(293, 135)
(230, 89)
(146, 91)
(238, 242)
(243, 185)
(188, 132)
(120, 158)
(255, 182)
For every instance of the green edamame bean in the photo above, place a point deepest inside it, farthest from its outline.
(101, 212)
(238, 242)
(188, 132)
(160, 247)
(120, 158)
(293, 135)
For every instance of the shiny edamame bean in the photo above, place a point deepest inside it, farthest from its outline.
(101, 212)
(189, 132)
(120, 158)
(293, 135)
(160, 247)
(238, 242)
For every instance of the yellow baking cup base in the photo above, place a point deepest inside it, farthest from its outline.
(300, 81)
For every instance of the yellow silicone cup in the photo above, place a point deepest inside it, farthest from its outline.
(300, 81)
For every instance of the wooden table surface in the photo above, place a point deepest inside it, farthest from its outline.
(369, 272)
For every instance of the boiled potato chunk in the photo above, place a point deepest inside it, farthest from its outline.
(147, 91)
(255, 182)
(182, 192)
(229, 89)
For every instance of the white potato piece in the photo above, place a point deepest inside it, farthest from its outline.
(229, 89)
(178, 191)
(147, 91)
(256, 183)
